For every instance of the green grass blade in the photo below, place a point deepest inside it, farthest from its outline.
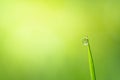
(91, 62)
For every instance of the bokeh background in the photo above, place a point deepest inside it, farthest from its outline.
(41, 39)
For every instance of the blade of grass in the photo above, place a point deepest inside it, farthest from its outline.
(91, 62)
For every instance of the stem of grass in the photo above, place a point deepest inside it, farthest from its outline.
(91, 62)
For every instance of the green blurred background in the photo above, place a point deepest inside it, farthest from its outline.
(41, 39)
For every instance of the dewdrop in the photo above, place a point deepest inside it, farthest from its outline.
(85, 41)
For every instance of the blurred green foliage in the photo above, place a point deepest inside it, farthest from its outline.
(41, 39)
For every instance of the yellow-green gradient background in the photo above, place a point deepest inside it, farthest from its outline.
(41, 39)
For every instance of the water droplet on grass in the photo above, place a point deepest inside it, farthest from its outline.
(85, 41)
